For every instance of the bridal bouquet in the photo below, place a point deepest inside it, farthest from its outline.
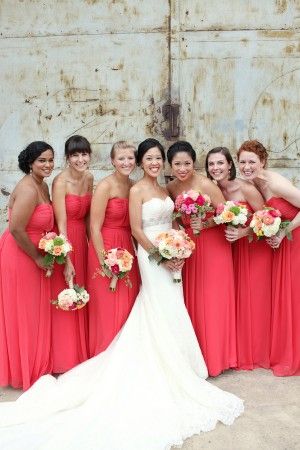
(267, 222)
(193, 204)
(56, 248)
(231, 213)
(116, 265)
(172, 244)
(71, 299)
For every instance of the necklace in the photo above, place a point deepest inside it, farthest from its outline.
(40, 190)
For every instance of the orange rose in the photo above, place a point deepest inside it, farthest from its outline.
(57, 251)
(228, 216)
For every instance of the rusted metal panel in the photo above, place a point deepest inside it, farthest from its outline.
(96, 68)
(239, 84)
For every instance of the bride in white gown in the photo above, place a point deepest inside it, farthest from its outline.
(147, 391)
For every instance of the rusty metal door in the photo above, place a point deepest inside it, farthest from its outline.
(236, 75)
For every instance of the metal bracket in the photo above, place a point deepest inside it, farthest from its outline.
(170, 113)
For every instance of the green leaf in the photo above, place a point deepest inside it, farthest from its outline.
(48, 260)
(60, 259)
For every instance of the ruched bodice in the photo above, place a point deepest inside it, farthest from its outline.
(77, 206)
(157, 212)
(287, 210)
(41, 221)
(116, 214)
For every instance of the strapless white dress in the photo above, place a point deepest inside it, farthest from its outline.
(147, 391)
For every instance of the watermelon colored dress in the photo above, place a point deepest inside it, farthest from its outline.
(252, 264)
(70, 328)
(108, 311)
(25, 309)
(285, 330)
(208, 283)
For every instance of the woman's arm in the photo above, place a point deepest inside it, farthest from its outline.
(25, 201)
(98, 207)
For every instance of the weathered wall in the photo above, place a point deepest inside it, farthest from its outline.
(105, 68)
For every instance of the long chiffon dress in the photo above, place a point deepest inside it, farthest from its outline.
(208, 282)
(108, 310)
(285, 331)
(70, 328)
(25, 309)
(147, 391)
(252, 264)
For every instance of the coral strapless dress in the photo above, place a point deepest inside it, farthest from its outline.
(70, 328)
(285, 330)
(108, 311)
(208, 283)
(25, 309)
(253, 290)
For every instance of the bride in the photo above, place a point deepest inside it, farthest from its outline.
(147, 391)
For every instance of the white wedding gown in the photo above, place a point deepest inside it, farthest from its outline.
(147, 391)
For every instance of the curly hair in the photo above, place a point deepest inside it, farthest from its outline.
(31, 153)
(254, 147)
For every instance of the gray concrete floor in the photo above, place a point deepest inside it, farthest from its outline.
(271, 420)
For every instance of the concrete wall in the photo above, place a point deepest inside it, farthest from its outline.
(105, 69)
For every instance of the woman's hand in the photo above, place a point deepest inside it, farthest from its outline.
(39, 260)
(69, 271)
(275, 241)
(174, 264)
(232, 234)
(196, 224)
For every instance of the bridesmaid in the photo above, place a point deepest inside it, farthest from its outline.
(208, 273)
(279, 193)
(25, 309)
(71, 195)
(252, 291)
(110, 228)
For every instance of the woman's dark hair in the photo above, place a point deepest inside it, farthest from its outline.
(225, 152)
(254, 147)
(31, 153)
(77, 144)
(145, 146)
(178, 147)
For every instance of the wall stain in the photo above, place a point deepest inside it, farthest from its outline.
(281, 6)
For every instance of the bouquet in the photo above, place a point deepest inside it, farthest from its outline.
(75, 297)
(231, 213)
(267, 222)
(56, 248)
(116, 265)
(172, 244)
(193, 204)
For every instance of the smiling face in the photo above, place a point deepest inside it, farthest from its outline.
(250, 165)
(43, 165)
(79, 161)
(182, 166)
(124, 160)
(152, 162)
(218, 166)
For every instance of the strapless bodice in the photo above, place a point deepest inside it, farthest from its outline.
(287, 210)
(157, 214)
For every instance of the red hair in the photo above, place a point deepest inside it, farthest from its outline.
(254, 147)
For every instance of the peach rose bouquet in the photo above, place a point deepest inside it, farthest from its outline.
(267, 222)
(71, 299)
(231, 213)
(172, 244)
(117, 262)
(56, 248)
(193, 204)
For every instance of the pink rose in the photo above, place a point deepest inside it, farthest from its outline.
(200, 200)
(274, 213)
(115, 269)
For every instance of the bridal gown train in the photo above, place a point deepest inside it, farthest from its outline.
(147, 391)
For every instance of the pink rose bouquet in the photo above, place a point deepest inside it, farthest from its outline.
(172, 244)
(56, 248)
(193, 204)
(116, 265)
(231, 213)
(267, 222)
(71, 299)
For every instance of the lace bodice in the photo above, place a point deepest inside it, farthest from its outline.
(157, 211)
